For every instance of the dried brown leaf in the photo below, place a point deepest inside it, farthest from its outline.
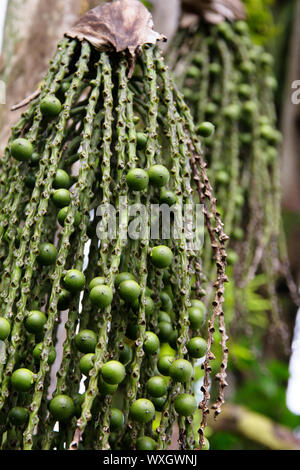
(121, 25)
(216, 11)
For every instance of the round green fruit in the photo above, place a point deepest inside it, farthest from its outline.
(181, 370)
(86, 341)
(62, 408)
(86, 363)
(158, 175)
(129, 291)
(166, 302)
(196, 347)
(164, 363)
(164, 317)
(167, 197)
(125, 354)
(161, 256)
(62, 215)
(50, 106)
(145, 443)
(206, 129)
(196, 317)
(156, 386)
(121, 277)
(105, 388)
(61, 197)
(97, 281)
(141, 140)
(18, 416)
(74, 280)
(22, 380)
(62, 180)
(101, 296)
(137, 179)
(185, 404)
(35, 322)
(116, 420)
(113, 372)
(47, 254)
(159, 402)
(21, 149)
(165, 329)
(142, 411)
(37, 352)
(4, 329)
(151, 344)
(64, 299)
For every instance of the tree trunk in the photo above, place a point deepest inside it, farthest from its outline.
(32, 30)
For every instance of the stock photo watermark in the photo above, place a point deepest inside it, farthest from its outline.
(155, 221)
(296, 93)
(2, 92)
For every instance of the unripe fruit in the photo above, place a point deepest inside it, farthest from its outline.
(151, 344)
(156, 386)
(64, 299)
(37, 352)
(22, 380)
(4, 329)
(193, 72)
(185, 405)
(116, 420)
(146, 443)
(206, 129)
(129, 291)
(196, 317)
(166, 302)
(101, 296)
(105, 388)
(142, 411)
(35, 322)
(161, 256)
(164, 317)
(47, 254)
(86, 363)
(123, 277)
(232, 257)
(137, 179)
(18, 416)
(74, 280)
(167, 197)
(158, 175)
(97, 281)
(164, 364)
(62, 408)
(21, 150)
(125, 354)
(61, 197)
(50, 106)
(86, 341)
(141, 140)
(196, 347)
(62, 215)
(181, 370)
(165, 329)
(159, 402)
(113, 372)
(62, 180)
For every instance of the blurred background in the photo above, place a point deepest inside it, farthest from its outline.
(263, 397)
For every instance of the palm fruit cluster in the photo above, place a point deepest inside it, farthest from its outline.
(229, 85)
(129, 313)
